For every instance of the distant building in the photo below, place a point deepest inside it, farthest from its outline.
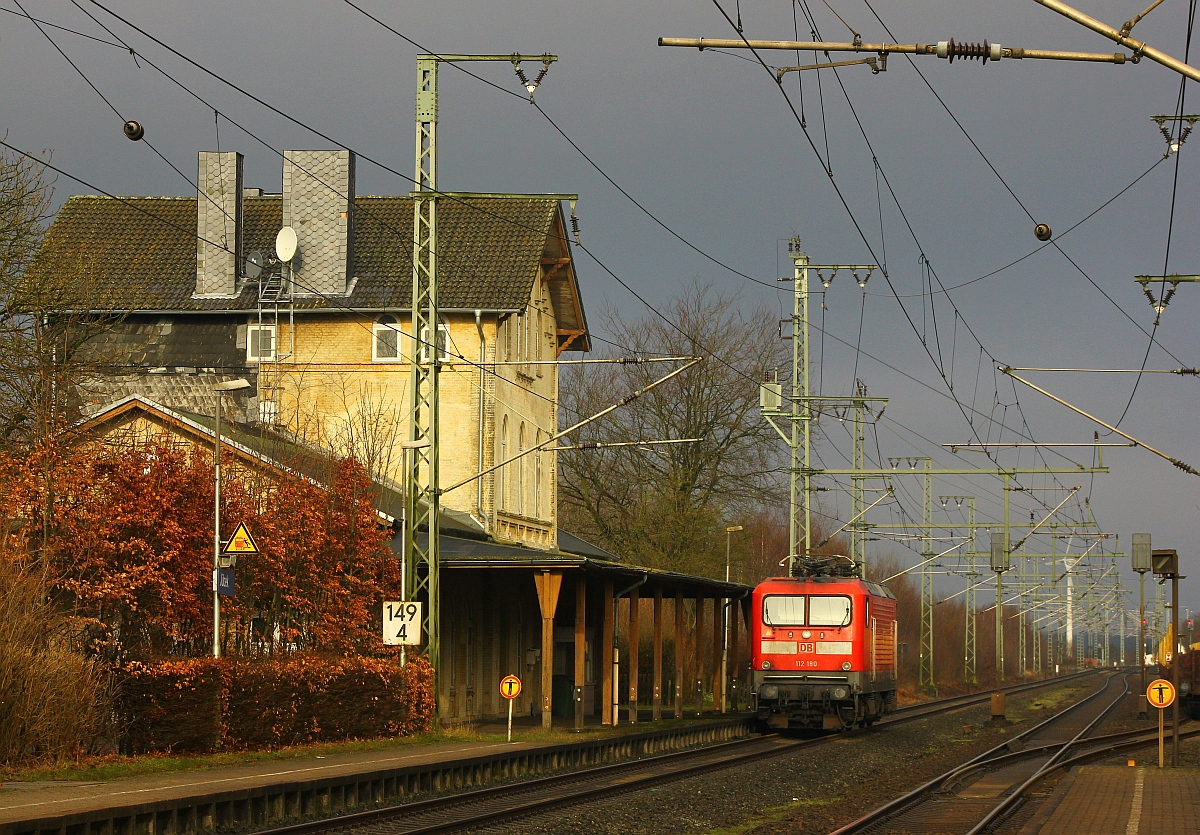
(327, 344)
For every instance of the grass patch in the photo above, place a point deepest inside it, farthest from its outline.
(115, 767)
(775, 814)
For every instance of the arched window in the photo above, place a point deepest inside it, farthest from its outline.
(537, 479)
(385, 343)
(503, 456)
(521, 470)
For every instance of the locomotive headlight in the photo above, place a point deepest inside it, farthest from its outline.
(766, 665)
(840, 693)
(1185, 687)
(846, 665)
(806, 634)
(768, 691)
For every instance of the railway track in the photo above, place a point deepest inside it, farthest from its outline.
(495, 804)
(982, 793)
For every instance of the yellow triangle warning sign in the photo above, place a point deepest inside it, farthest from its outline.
(241, 542)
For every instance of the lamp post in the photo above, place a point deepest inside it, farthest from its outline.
(219, 388)
(725, 624)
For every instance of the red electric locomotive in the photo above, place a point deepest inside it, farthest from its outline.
(823, 650)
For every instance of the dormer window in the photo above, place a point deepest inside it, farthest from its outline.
(385, 341)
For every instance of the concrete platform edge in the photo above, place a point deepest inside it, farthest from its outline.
(277, 804)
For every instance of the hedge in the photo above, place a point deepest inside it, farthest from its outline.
(204, 704)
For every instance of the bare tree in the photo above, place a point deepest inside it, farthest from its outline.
(50, 310)
(667, 506)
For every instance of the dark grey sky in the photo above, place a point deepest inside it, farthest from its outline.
(705, 141)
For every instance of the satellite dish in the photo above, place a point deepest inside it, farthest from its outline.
(285, 243)
(254, 265)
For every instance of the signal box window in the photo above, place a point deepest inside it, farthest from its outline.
(783, 610)
(260, 343)
(828, 610)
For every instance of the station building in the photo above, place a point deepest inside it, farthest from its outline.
(325, 343)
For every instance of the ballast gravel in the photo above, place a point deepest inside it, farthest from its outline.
(815, 790)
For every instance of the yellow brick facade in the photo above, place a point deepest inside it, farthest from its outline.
(331, 389)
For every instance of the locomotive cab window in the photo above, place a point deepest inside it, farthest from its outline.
(783, 610)
(828, 610)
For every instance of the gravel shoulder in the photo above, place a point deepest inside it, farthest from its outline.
(814, 790)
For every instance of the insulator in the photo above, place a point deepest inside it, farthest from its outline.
(521, 75)
(967, 51)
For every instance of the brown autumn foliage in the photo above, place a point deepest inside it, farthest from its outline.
(125, 536)
(107, 562)
(53, 699)
(191, 705)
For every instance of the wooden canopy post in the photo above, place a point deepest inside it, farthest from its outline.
(718, 688)
(634, 636)
(548, 585)
(734, 615)
(580, 647)
(656, 711)
(698, 643)
(679, 680)
(606, 678)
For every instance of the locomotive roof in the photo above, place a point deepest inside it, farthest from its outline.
(876, 589)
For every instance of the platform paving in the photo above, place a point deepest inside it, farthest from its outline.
(22, 802)
(1122, 800)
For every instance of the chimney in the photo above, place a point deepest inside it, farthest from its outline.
(218, 223)
(318, 202)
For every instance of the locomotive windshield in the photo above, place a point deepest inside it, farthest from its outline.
(833, 610)
(783, 610)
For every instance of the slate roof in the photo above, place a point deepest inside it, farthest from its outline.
(142, 250)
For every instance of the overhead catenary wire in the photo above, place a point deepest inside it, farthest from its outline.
(761, 282)
(1179, 111)
(317, 132)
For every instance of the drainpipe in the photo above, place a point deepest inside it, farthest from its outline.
(616, 668)
(482, 391)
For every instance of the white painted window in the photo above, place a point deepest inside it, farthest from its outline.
(260, 343)
(443, 344)
(520, 355)
(385, 342)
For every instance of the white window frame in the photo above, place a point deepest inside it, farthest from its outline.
(252, 341)
(379, 328)
(444, 353)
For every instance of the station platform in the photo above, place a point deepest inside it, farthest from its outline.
(1125, 800)
(270, 792)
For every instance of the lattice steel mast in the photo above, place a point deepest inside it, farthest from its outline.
(423, 493)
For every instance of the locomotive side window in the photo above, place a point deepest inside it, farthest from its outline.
(828, 610)
(783, 610)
